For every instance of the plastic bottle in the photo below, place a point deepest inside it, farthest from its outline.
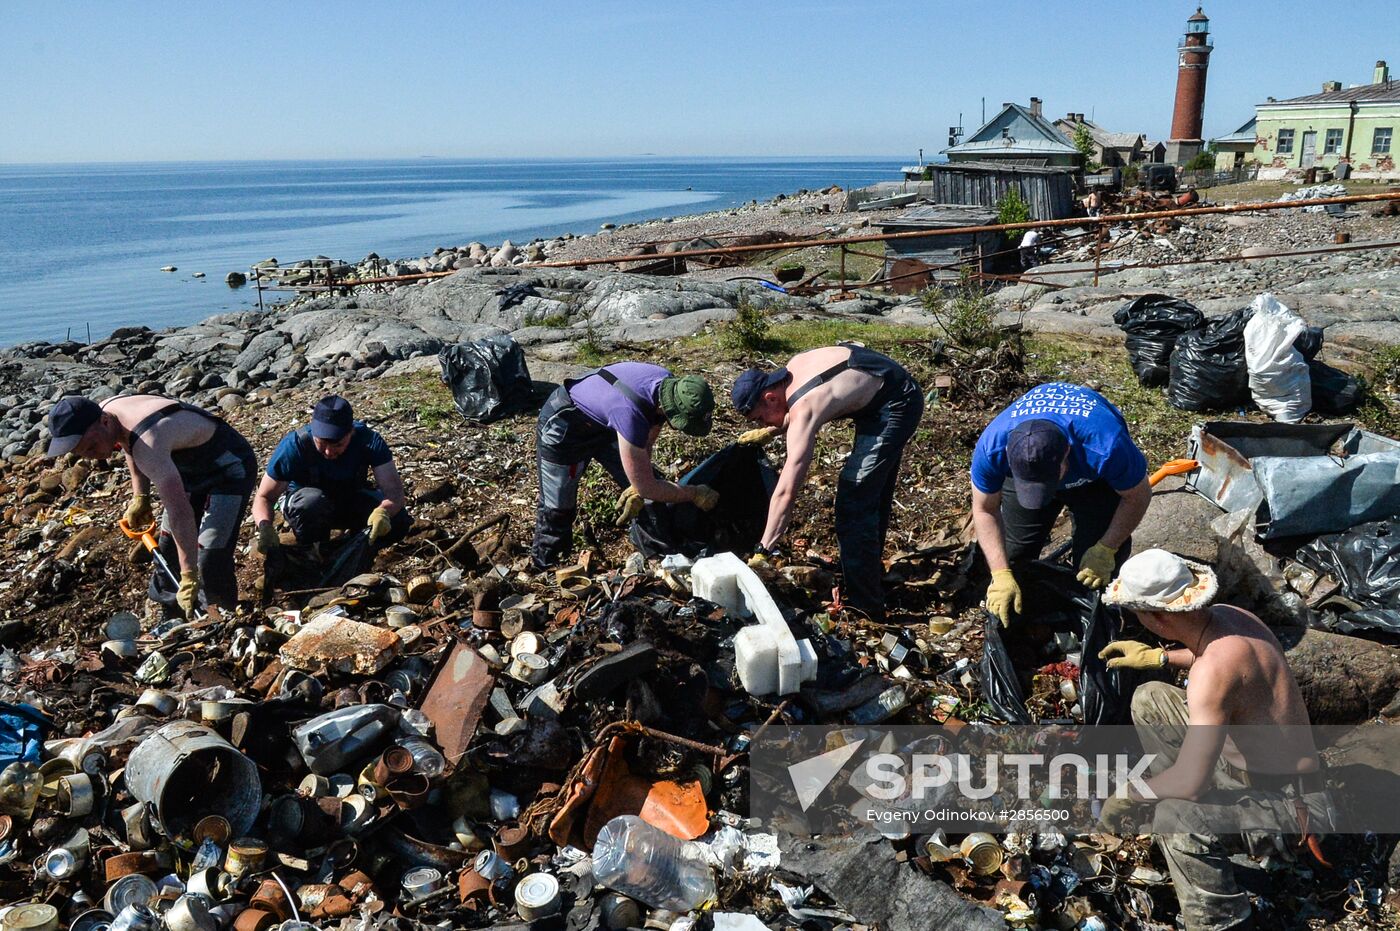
(644, 862)
(334, 741)
(209, 854)
(19, 789)
(426, 758)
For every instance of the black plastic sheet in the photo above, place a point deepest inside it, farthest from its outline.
(744, 479)
(1054, 601)
(1152, 324)
(1208, 370)
(1365, 561)
(488, 378)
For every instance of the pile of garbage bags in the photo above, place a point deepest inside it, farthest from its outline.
(1264, 354)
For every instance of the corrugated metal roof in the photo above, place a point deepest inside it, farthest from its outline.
(1384, 92)
(1005, 166)
(1100, 135)
(1038, 135)
(1245, 133)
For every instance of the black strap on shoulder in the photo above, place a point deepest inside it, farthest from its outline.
(818, 380)
(304, 441)
(626, 392)
(154, 417)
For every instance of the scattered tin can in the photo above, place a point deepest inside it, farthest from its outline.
(983, 853)
(213, 827)
(190, 913)
(526, 642)
(254, 919)
(134, 918)
(537, 896)
(119, 650)
(75, 795)
(619, 912)
(492, 866)
(31, 916)
(418, 884)
(245, 855)
(212, 883)
(133, 889)
(94, 919)
(530, 668)
(157, 702)
(61, 863)
(396, 616)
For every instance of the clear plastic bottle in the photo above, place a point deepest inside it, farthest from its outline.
(644, 862)
(19, 789)
(426, 758)
(208, 854)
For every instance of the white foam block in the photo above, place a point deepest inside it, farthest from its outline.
(756, 658)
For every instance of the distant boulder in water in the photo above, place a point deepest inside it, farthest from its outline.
(235, 279)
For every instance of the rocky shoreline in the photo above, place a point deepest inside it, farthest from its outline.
(250, 357)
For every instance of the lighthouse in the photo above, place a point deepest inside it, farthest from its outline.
(1192, 59)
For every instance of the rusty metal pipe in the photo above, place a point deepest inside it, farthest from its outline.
(995, 227)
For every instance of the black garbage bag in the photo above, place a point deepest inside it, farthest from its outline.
(1055, 602)
(1309, 342)
(1208, 370)
(1365, 561)
(1333, 391)
(488, 378)
(1152, 324)
(744, 479)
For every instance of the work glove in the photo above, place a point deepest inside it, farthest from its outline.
(188, 595)
(1096, 568)
(763, 557)
(1003, 596)
(761, 436)
(705, 497)
(267, 539)
(138, 514)
(1129, 654)
(378, 523)
(1121, 813)
(629, 505)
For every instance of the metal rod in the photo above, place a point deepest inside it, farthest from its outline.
(995, 227)
(1237, 257)
(843, 269)
(1098, 254)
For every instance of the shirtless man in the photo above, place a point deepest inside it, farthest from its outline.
(1239, 730)
(815, 388)
(202, 469)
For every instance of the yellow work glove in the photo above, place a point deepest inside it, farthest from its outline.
(378, 523)
(1096, 568)
(188, 595)
(1003, 596)
(629, 505)
(1129, 654)
(759, 437)
(267, 539)
(705, 497)
(1121, 813)
(138, 514)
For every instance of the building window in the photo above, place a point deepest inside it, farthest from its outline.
(1380, 141)
(1333, 143)
(1285, 142)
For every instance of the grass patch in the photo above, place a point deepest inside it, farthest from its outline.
(748, 333)
(858, 267)
(555, 321)
(967, 315)
(420, 397)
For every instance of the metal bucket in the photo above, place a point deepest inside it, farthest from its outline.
(184, 771)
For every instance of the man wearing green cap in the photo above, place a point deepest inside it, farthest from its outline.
(613, 415)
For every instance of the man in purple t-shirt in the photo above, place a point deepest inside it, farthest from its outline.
(613, 415)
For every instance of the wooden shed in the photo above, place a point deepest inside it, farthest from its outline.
(1050, 191)
(905, 257)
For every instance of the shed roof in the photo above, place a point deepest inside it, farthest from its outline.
(941, 216)
(1100, 135)
(1384, 92)
(1028, 133)
(1245, 133)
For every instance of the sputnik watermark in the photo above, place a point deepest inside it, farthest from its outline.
(920, 776)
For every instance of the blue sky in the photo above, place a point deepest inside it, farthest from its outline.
(122, 81)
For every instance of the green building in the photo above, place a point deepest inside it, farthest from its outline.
(1356, 125)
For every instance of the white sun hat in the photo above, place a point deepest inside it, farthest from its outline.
(1155, 580)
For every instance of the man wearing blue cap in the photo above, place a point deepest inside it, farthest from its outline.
(614, 415)
(320, 472)
(200, 466)
(816, 387)
(1057, 446)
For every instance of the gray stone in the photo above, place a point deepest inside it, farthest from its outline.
(1344, 680)
(231, 401)
(1179, 521)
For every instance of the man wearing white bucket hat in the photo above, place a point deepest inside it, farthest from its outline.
(1239, 730)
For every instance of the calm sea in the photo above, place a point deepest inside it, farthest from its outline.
(81, 246)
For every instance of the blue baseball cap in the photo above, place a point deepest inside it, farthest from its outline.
(69, 419)
(332, 418)
(1035, 453)
(749, 387)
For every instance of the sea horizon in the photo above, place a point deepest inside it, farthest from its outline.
(86, 240)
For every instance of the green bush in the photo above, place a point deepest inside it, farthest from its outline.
(1130, 175)
(747, 333)
(967, 315)
(1013, 209)
(1205, 161)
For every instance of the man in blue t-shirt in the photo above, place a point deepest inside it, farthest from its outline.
(1057, 446)
(614, 415)
(320, 472)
